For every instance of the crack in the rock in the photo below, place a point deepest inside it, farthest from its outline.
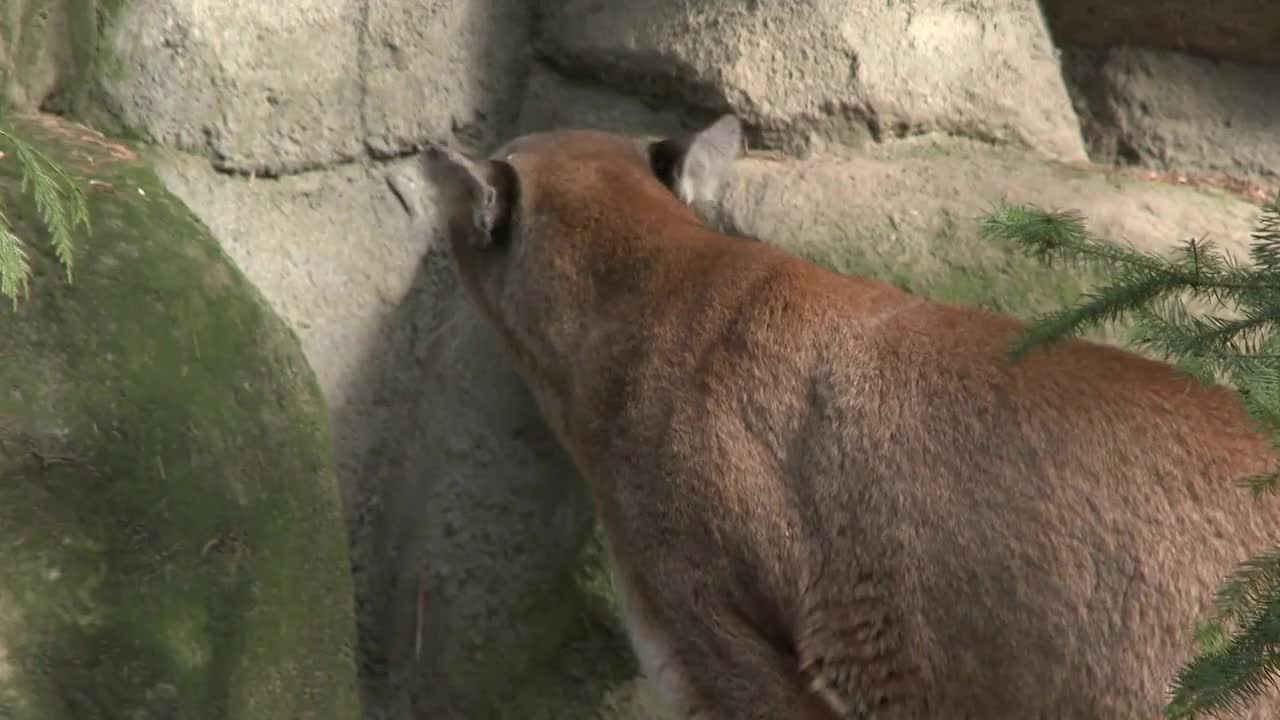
(687, 96)
(370, 157)
(402, 195)
(362, 70)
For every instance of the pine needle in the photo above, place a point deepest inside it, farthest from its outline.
(62, 207)
(14, 269)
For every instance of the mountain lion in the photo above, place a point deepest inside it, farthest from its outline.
(824, 497)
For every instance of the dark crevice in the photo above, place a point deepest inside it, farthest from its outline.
(1126, 153)
(362, 67)
(262, 172)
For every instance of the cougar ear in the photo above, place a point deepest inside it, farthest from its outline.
(481, 192)
(695, 166)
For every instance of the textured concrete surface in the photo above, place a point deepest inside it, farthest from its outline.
(281, 93)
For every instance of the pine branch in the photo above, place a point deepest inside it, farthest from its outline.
(1102, 306)
(1056, 235)
(1210, 348)
(1265, 248)
(1240, 646)
(14, 269)
(61, 205)
(1140, 280)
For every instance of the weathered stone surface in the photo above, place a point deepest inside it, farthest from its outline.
(488, 531)
(332, 251)
(171, 538)
(51, 53)
(551, 101)
(1174, 111)
(440, 68)
(301, 85)
(49, 50)
(264, 88)
(1244, 31)
(831, 70)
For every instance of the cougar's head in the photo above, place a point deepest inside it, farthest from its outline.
(524, 223)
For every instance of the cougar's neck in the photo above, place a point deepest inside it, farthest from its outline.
(621, 276)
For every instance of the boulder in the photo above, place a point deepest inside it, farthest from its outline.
(830, 70)
(443, 68)
(171, 539)
(335, 254)
(306, 84)
(1174, 111)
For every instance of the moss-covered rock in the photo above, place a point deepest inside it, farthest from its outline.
(171, 542)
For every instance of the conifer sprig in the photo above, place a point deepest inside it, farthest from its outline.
(1238, 654)
(1142, 285)
(61, 205)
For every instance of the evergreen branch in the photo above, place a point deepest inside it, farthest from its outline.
(1252, 583)
(1240, 646)
(61, 205)
(1238, 656)
(1216, 345)
(14, 268)
(61, 214)
(1051, 235)
(1229, 680)
(1265, 248)
(1138, 279)
(1097, 308)
(1259, 389)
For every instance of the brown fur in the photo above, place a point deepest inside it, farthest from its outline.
(826, 498)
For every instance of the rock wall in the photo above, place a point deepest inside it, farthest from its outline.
(879, 131)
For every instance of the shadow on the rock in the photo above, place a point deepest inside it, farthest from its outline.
(478, 597)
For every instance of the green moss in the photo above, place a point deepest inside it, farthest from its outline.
(171, 538)
(952, 265)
